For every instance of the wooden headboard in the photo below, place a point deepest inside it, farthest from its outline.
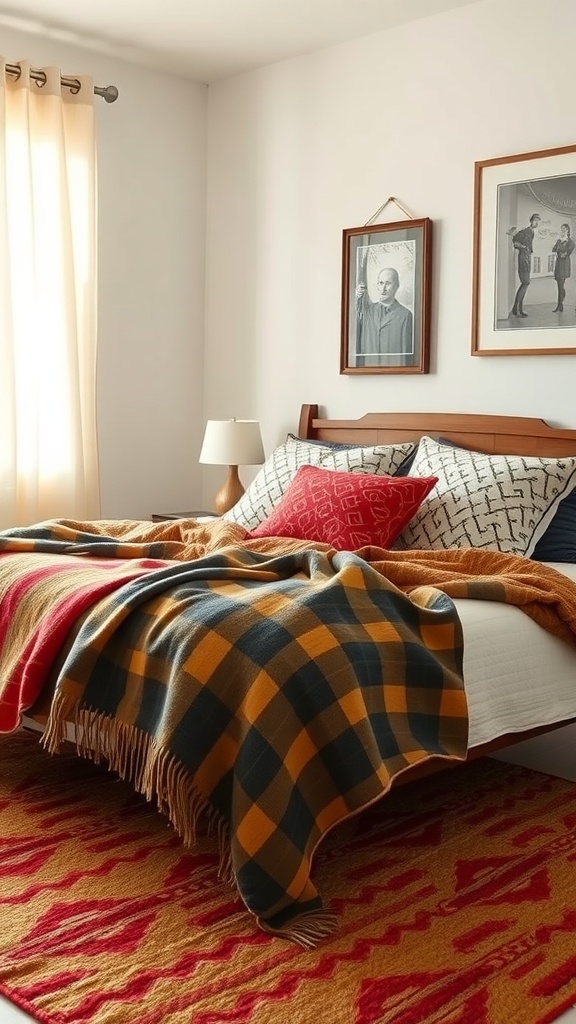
(498, 435)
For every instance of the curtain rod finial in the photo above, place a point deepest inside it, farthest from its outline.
(109, 93)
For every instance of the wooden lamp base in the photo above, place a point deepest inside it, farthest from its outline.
(230, 493)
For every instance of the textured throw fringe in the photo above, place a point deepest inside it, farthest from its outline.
(62, 711)
(307, 930)
(155, 773)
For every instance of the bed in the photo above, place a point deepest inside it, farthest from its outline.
(392, 595)
(503, 678)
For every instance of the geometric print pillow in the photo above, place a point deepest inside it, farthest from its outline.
(496, 502)
(265, 491)
(345, 510)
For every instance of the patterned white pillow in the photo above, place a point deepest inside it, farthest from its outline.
(497, 502)
(278, 471)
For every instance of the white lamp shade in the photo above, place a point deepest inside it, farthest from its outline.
(232, 443)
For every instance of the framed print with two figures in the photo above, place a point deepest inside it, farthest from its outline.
(524, 264)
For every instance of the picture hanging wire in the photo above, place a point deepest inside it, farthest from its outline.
(391, 199)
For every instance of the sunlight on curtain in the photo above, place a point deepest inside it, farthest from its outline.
(48, 446)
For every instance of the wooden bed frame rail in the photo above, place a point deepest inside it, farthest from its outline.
(495, 435)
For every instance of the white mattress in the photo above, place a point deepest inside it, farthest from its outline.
(517, 676)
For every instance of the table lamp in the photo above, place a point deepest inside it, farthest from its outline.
(231, 443)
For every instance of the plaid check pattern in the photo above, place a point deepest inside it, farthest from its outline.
(275, 691)
(281, 693)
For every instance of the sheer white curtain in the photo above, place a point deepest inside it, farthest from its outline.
(48, 447)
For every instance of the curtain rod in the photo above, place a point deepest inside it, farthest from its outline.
(108, 92)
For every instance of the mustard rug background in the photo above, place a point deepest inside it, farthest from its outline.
(456, 899)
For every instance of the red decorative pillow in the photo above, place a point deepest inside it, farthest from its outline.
(345, 510)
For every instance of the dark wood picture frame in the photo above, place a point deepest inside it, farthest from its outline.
(521, 203)
(386, 289)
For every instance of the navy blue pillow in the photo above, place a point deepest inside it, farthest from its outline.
(559, 542)
(404, 469)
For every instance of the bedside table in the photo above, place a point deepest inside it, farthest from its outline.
(198, 513)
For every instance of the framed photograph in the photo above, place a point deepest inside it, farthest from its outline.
(386, 297)
(524, 272)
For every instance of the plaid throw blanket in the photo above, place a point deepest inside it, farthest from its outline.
(274, 688)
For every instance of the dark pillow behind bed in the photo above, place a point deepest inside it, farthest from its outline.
(559, 542)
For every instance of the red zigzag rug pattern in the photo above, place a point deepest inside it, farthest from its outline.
(455, 896)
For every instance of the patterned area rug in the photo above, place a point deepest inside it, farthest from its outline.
(455, 895)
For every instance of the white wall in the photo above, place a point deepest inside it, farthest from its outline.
(298, 151)
(302, 149)
(152, 207)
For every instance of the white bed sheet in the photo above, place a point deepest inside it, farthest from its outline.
(517, 675)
